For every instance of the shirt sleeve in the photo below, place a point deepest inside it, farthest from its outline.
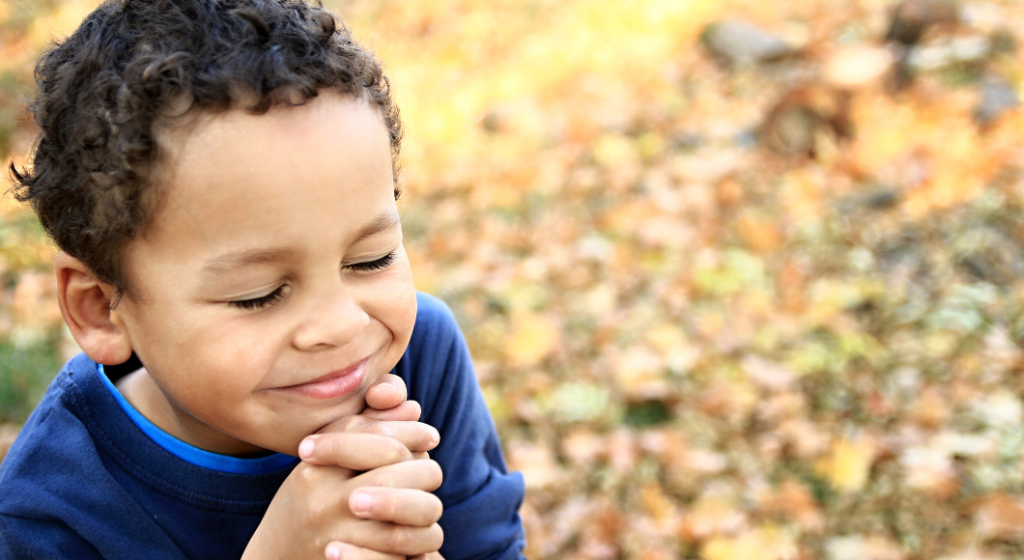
(38, 539)
(481, 498)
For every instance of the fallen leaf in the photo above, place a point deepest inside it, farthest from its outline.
(929, 469)
(858, 547)
(536, 462)
(794, 500)
(767, 543)
(533, 338)
(849, 463)
(1001, 517)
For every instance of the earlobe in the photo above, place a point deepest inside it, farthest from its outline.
(85, 303)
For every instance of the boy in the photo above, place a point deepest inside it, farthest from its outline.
(220, 177)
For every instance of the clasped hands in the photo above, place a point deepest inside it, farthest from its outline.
(362, 490)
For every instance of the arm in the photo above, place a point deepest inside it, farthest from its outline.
(481, 498)
(39, 539)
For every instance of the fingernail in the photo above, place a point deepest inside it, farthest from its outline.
(306, 447)
(361, 503)
(434, 435)
(333, 551)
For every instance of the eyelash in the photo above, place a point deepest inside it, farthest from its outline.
(273, 297)
(379, 264)
(260, 302)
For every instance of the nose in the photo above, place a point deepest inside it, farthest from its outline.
(330, 322)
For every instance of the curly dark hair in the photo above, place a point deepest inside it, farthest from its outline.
(133, 66)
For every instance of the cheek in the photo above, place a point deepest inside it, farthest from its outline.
(398, 307)
(237, 357)
(212, 360)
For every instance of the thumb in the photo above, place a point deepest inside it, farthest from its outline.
(387, 392)
(408, 411)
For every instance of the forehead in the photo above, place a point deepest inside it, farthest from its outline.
(237, 140)
(293, 177)
(329, 138)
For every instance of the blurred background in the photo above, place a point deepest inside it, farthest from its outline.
(742, 279)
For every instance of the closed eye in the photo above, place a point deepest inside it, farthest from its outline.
(260, 302)
(378, 264)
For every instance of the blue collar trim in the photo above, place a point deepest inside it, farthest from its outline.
(190, 453)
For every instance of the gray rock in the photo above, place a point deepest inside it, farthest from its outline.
(739, 43)
(997, 97)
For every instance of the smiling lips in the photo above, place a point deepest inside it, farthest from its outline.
(332, 385)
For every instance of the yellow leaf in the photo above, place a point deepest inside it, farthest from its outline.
(656, 503)
(533, 339)
(849, 463)
(766, 543)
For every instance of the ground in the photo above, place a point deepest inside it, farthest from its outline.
(723, 303)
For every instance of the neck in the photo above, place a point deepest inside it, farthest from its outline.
(141, 390)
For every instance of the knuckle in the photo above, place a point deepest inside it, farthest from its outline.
(432, 511)
(327, 447)
(434, 474)
(438, 511)
(306, 475)
(437, 536)
(383, 477)
(351, 423)
(411, 410)
(380, 428)
(385, 505)
(401, 539)
(397, 451)
(315, 509)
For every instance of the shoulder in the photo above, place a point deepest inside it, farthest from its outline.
(436, 330)
(52, 443)
(437, 362)
(432, 313)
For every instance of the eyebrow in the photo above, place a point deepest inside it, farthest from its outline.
(387, 221)
(221, 264)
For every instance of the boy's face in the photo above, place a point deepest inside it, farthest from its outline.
(271, 287)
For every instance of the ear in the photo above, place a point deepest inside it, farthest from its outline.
(85, 304)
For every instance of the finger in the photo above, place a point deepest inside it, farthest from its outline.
(403, 506)
(387, 392)
(395, 539)
(418, 475)
(415, 436)
(409, 410)
(343, 551)
(417, 455)
(356, 451)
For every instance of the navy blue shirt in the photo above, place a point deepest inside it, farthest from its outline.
(84, 481)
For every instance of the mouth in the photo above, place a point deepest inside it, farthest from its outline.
(332, 385)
